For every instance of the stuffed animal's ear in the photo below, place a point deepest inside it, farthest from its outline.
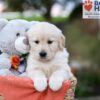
(3, 22)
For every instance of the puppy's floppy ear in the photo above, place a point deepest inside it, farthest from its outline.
(61, 42)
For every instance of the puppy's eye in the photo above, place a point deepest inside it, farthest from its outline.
(37, 42)
(18, 34)
(50, 42)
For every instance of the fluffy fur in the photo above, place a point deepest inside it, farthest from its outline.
(47, 37)
(12, 44)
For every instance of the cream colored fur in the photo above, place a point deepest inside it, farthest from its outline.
(55, 66)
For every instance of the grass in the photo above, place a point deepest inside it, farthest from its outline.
(80, 43)
(88, 82)
(41, 18)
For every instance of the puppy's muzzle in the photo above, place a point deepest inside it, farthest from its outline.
(43, 54)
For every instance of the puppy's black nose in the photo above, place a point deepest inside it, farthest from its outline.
(43, 54)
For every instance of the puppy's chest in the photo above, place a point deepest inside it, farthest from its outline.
(48, 68)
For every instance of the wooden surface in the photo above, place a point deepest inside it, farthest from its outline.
(70, 93)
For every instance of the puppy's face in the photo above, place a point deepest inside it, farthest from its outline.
(45, 41)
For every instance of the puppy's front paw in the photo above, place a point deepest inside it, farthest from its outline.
(40, 84)
(55, 83)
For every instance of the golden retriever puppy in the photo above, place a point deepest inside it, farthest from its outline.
(48, 58)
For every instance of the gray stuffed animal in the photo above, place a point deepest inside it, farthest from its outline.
(13, 42)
